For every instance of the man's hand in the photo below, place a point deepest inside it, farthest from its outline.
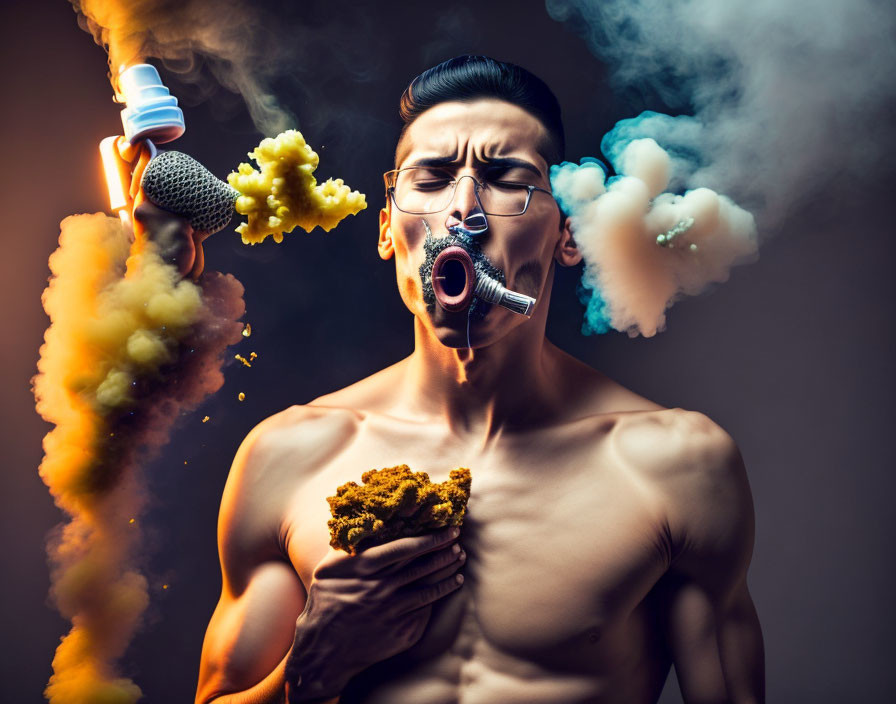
(366, 608)
(178, 243)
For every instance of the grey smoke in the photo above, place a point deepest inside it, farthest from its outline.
(788, 97)
(232, 44)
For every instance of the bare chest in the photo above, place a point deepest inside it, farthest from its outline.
(562, 546)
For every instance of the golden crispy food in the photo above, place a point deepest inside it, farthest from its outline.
(284, 194)
(394, 503)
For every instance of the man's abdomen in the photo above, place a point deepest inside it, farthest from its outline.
(627, 663)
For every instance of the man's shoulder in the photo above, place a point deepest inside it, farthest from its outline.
(670, 442)
(273, 461)
(300, 433)
(660, 444)
(587, 392)
(695, 469)
(289, 446)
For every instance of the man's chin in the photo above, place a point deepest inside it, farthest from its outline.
(453, 339)
(449, 327)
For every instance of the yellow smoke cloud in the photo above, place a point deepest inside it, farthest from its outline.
(284, 194)
(124, 327)
(130, 344)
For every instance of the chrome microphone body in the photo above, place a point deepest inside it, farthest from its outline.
(493, 291)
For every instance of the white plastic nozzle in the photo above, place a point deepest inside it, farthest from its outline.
(151, 112)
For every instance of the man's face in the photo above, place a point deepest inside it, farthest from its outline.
(472, 138)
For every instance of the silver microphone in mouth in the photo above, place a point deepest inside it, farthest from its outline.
(456, 279)
(492, 291)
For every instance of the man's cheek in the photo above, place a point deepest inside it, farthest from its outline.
(524, 246)
(408, 252)
(411, 289)
(528, 278)
(410, 231)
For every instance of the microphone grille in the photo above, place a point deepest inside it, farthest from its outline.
(181, 185)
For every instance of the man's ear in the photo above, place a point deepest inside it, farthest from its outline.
(567, 252)
(385, 246)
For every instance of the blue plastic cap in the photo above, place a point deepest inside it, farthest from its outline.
(151, 111)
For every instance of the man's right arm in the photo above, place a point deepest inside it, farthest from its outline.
(251, 634)
(270, 637)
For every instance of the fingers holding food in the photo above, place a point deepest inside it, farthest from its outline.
(430, 566)
(451, 565)
(422, 597)
(393, 553)
(397, 554)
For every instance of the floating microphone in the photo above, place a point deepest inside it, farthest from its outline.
(171, 180)
(181, 185)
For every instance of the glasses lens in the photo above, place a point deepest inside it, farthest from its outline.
(424, 190)
(499, 198)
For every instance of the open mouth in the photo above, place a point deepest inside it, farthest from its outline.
(453, 278)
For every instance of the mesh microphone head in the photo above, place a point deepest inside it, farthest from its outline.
(181, 185)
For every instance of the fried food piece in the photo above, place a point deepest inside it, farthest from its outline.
(284, 194)
(395, 503)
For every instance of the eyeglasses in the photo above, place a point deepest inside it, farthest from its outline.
(421, 190)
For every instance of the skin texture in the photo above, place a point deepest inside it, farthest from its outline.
(606, 538)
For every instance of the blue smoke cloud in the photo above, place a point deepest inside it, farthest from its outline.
(680, 136)
(645, 246)
(572, 202)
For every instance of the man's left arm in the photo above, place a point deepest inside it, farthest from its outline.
(712, 628)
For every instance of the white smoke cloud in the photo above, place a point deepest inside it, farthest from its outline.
(780, 100)
(644, 247)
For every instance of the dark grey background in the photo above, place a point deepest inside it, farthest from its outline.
(793, 356)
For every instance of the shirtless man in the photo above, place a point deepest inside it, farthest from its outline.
(606, 538)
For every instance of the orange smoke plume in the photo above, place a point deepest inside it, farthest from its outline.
(129, 346)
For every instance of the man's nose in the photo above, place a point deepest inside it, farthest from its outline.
(465, 202)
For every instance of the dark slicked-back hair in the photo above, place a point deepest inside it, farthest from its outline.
(466, 78)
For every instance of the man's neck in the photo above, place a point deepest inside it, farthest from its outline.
(486, 390)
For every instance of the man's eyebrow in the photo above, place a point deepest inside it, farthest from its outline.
(499, 162)
(509, 162)
(434, 161)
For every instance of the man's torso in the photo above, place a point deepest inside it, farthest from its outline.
(566, 541)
